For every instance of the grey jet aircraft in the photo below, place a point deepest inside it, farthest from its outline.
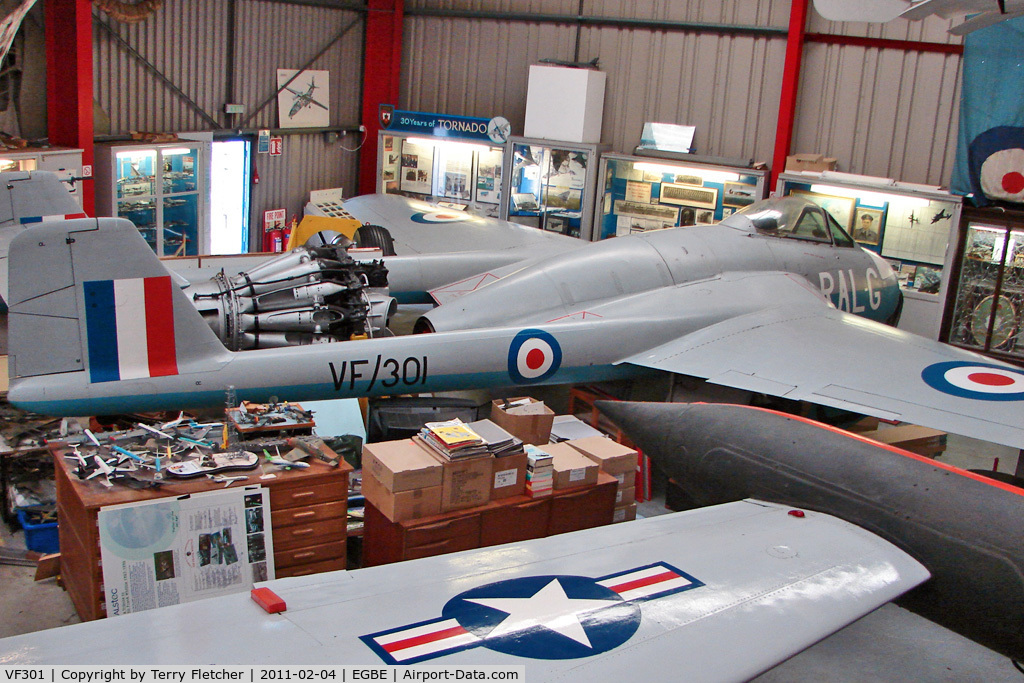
(776, 299)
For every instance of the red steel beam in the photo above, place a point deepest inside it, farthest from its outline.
(382, 69)
(790, 86)
(68, 35)
(885, 43)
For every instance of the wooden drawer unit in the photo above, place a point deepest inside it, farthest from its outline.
(518, 522)
(308, 513)
(501, 521)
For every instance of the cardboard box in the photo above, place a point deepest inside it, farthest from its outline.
(401, 465)
(530, 422)
(508, 476)
(564, 103)
(465, 483)
(398, 507)
(611, 456)
(626, 513)
(626, 479)
(810, 162)
(625, 496)
(571, 468)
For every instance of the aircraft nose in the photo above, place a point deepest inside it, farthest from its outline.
(665, 432)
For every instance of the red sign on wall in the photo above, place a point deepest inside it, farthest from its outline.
(276, 146)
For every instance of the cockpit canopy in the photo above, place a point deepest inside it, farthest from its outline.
(790, 217)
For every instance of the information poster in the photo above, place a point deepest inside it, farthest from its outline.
(488, 177)
(174, 550)
(417, 167)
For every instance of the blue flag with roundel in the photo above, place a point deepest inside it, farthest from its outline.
(990, 146)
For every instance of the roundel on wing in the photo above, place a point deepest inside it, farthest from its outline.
(979, 381)
(439, 217)
(996, 164)
(533, 356)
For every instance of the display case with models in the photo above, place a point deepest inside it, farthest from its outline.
(64, 161)
(160, 188)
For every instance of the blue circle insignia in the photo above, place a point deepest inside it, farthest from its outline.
(546, 617)
(979, 381)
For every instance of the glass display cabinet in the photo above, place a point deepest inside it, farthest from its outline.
(550, 185)
(988, 302)
(64, 161)
(649, 193)
(159, 188)
(910, 226)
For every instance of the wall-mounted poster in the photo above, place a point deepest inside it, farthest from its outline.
(689, 195)
(488, 176)
(417, 164)
(638, 192)
(667, 215)
(305, 101)
(841, 208)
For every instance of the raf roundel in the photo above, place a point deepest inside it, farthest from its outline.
(979, 381)
(439, 217)
(533, 356)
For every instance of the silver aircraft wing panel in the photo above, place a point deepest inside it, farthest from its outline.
(419, 227)
(822, 355)
(717, 594)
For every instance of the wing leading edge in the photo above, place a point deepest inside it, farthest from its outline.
(717, 594)
(822, 355)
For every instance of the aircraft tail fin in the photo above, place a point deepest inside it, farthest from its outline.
(90, 295)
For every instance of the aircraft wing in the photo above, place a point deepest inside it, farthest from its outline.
(420, 227)
(813, 353)
(717, 594)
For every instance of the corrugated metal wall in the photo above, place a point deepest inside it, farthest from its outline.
(880, 112)
(188, 42)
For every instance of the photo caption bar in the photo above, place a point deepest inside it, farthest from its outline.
(257, 674)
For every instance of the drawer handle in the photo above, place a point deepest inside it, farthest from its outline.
(437, 544)
(571, 496)
(304, 555)
(303, 532)
(303, 515)
(431, 527)
(303, 494)
(529, 506)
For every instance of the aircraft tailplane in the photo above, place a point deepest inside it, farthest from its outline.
(89, 295)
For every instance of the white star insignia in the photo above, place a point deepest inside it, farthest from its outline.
(549, 607)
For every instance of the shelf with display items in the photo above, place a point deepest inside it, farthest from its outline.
(649, 193)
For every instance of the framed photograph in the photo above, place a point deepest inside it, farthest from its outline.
(303, 100)
(638, 192)
(689, 195)
(689, 180)
(665, 214)
(727, 211)
(867, 225)
(841, 208)
(705, 216)
(738, 194)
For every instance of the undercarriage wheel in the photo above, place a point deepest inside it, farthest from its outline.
(375, 237)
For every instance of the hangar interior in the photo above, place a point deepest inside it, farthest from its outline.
(554, 148)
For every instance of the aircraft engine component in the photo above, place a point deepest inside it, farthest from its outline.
(311, 295)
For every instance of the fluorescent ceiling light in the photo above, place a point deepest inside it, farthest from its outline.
(176, 150)
(876, 199)
(447, 143)
(706, 174)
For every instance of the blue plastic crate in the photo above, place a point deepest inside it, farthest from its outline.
(40, 538)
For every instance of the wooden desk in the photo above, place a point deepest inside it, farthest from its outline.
(501, 521)
(308, 511)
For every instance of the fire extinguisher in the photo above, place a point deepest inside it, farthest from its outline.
(289, 229)
(272, 240)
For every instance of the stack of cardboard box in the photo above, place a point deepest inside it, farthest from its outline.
(619, 461)
(402, 479)
(571, 467)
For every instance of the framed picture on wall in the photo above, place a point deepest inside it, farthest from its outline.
(867, 226)
(738, 194)
(689, 195)
(841, 208)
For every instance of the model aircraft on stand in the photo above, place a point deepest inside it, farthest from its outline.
(986, 12)
(776, 299)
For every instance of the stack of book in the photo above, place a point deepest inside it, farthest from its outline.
(453, 439)
(540, 474)
(499, 442)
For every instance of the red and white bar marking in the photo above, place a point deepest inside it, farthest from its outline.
(645, 583)
(425, 640)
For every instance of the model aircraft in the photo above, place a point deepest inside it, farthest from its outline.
(775, 299)
(963, 527)
(303, 99)
(986, 12)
